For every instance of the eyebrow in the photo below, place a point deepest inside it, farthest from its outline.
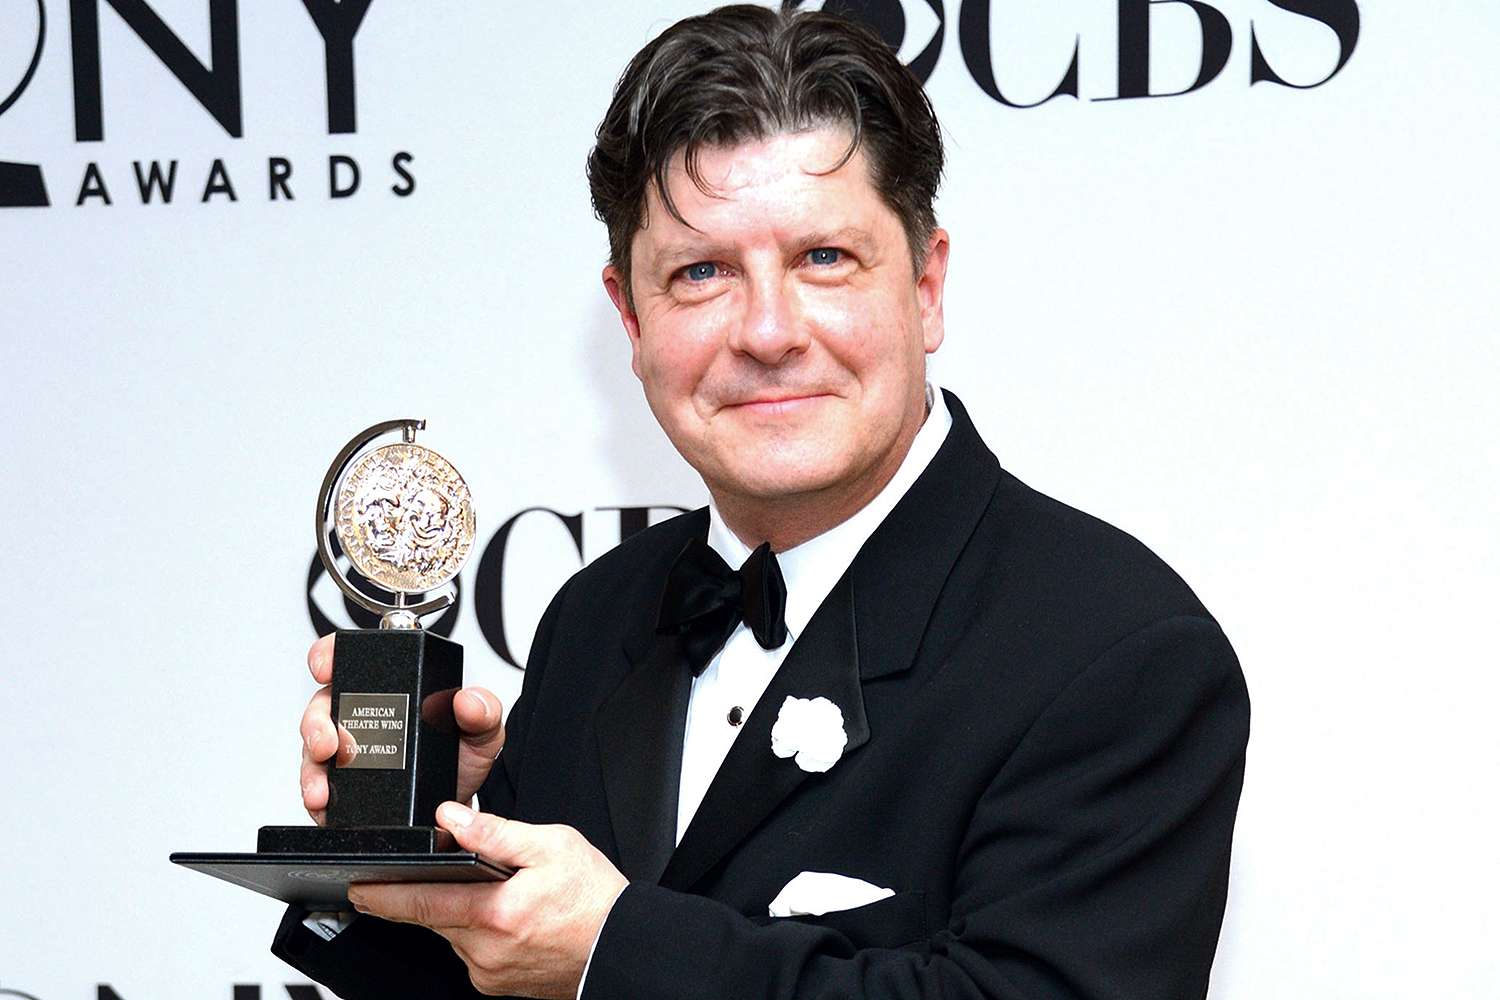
(674, 254)
(687, 252)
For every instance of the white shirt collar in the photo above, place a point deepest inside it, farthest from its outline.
(812, 568)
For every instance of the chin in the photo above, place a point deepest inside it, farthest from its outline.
(775, 476)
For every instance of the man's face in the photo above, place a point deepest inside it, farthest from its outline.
(782, 337)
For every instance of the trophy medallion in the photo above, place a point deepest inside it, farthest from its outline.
(404, 518)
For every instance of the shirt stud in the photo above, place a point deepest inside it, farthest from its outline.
(736, 715)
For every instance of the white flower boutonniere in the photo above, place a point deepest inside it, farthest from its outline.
(812, 730)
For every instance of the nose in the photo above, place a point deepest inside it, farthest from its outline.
(773, 328)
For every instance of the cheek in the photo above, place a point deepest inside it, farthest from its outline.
(679, 343)
(671, 362)
(863, 333)
(834, 311)
(843, 323)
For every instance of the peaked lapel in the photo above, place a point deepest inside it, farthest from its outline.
(753, 781)
(901, 570)
(639, 730)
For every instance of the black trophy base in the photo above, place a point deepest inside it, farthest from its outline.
(314, 866)
(321, 881)
(353, 840)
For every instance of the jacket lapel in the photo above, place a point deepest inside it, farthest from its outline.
(639, 730)
(753, 781)
(900, 572)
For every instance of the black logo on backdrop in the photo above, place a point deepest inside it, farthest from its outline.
(21, 184)
(36, 59)
(491, 579)
(215, 86)
(889, 19)
(1132, 42)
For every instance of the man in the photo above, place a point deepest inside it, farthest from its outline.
(882, 721)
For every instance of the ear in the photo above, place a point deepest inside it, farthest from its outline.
(930, 290)
(615, 285)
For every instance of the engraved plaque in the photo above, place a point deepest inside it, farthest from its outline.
(378, 724)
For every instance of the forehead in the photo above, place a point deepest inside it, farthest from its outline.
(763, 190)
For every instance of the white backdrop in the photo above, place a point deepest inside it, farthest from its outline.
(1251, 325)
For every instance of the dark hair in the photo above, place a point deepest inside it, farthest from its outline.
(743, 72)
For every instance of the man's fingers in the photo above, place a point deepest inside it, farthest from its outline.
(346, 747)
(506, 842)
(321, 739)
(317, 727)
(477, 712)
(314, 776)
(314, 787)
(320, 659)
(481, 736)
(431, 904)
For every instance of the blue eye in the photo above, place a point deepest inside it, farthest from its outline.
(700, 272)
(825, 255)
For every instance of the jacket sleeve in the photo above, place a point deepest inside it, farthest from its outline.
(1095, 864)
(377, 958)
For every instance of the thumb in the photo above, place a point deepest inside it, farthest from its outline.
(506, 842)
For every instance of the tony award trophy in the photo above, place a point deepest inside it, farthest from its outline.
(403, 516)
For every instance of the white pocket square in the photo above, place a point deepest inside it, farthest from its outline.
(813, 894)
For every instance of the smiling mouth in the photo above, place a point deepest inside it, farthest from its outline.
(771, 406)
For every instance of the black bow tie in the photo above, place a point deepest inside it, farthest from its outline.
(705, 600)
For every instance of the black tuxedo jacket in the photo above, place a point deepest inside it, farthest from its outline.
(1047, 739)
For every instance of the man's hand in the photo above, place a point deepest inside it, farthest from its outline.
(528, 936)
(477, 711)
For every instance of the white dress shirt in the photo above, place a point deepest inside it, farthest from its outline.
(740, 673)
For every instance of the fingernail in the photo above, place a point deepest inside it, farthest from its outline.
(355, 899)
(478, 701)
(454, 814)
